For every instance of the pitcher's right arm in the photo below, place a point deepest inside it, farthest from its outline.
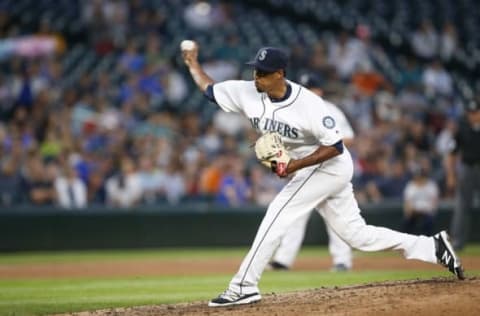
(202, 80)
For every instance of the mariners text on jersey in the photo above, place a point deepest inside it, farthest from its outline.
(274, 126)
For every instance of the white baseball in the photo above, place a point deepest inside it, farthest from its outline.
(187, 45)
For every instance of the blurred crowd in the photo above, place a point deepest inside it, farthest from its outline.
(126, 137)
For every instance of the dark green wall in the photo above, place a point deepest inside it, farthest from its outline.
(183, 227)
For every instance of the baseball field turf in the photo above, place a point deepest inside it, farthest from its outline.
(66, 282)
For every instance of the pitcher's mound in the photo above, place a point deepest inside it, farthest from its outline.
(439, 296)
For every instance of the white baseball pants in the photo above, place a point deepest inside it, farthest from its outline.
(332, 194)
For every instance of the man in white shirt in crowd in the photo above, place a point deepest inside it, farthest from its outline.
(125, 189)
(420, 202)
(71, 191)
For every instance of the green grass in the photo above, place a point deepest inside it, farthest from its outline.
(46, 296)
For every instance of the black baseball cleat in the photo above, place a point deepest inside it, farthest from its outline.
(229, 298)
(446, 256)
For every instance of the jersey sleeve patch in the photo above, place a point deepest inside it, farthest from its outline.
(328, 122)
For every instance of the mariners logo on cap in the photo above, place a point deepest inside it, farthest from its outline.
(328, 122)
(262, 54)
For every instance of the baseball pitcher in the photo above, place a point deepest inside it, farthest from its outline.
(290, 116)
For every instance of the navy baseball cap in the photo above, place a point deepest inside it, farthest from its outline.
(269, 59)
(310, 81)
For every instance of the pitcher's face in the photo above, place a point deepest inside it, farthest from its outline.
(265, 81)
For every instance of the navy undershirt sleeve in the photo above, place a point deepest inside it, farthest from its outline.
(339, 146)
(209, 93)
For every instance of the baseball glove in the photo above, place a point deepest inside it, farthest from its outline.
(271, 152)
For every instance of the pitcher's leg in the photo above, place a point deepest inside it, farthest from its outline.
(341, 212)
(273, 227)
(295, 200)
(291, 242)
(339, 250)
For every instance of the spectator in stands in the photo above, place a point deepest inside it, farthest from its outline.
(234, 189)
(39, 182)
(410, 73)
(359, 107)
(131, 60)
(143, 22)
(445, 139)
(105, 88)
(99, 16)
(150, 84)
(412, 100)
(176, 88)
(212, 175)
(30, 84)
(191, 174)
(210, 141)
(190, 126)
(436, 80)
(232, 51)
(51, 146)
(203, 15)
(420, 203)
(96, 188)
(10, 177)
(124, 189)
(162, 152)
(173, 182)
(424, 41)
(448, 41)
(319, 62)
(150, 179)
(221, 69)
(417, 134)
(393, 180)
(367, 80)
(386, 109)
(346, 54)
(71, 192)
(118, 22)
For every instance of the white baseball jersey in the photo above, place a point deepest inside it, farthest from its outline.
(305, 122)
(303, 119)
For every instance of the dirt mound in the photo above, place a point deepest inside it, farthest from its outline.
(439, 296)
